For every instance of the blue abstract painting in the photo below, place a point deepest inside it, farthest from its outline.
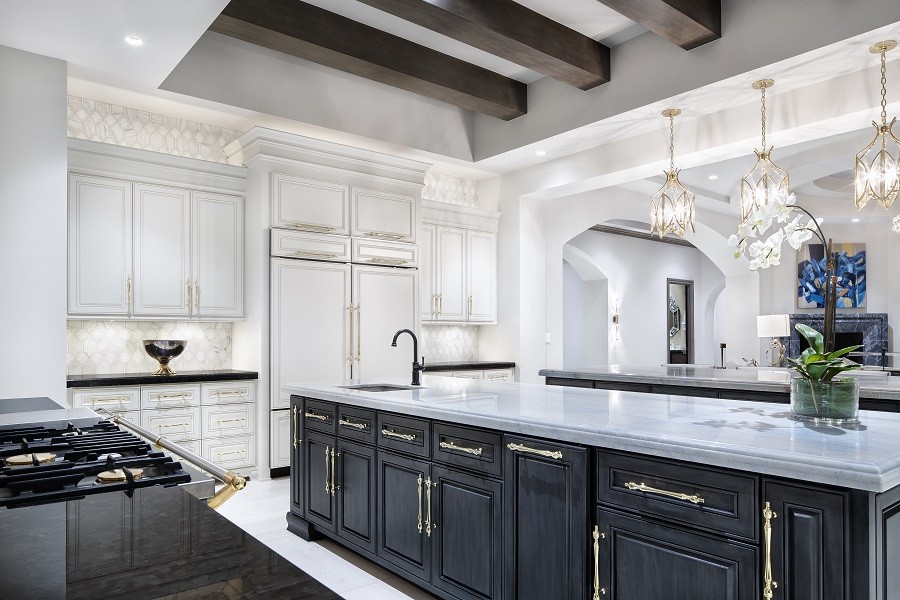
(851, 272)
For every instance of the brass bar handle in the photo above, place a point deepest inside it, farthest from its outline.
(312, 415)
(350, 333)
(128, 293)
(385, 236)
(360, 426)
(388, 261)
(233, 452)
(219, 422)
(470, 304)
(503, 377)
(419, 491)
(314, 254)
(641, 487)
(197, 296)
(453, 446)
(228, 393)
(296, 429)
(311, 226)
(178, 396)
(598, 591)
(107, 400)
(769, 584)
(333, 471)
(187, 295)
(171, 425)
(433, 305)
(428, 486)
(555, 454)
(408, 437)
(327, 486)
(358, 333)
(440, 304)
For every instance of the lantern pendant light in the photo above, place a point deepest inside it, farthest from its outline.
(878, 165)
(672, 207)
(767, 181)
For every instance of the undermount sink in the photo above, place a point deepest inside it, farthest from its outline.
(381, 387)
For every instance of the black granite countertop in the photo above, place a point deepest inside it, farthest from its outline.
(111, 379)
(469, 365)
(161, 542)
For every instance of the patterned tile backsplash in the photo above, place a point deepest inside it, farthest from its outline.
(452, 190)
(99, 347)
(449, 342)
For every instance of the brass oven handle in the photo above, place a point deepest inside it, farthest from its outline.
(428, 486)
(768, 583)
(555, 454)
(296, 429)
(598, 591)
(197, 295)
(419, 491)
(313, 226)
(312, 415)
(333, 470)
(360, 426)
(386, 236)
(403, 436)
(453, 446)
(228, 393)
(314, 254)
(327, 486)
(187, 296)
(128, 293)
(641, 487)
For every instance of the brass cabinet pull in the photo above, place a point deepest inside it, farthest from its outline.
(227, 393)
(230, 453)
(598, 591)
(350, 334)
(108, 400)
(327, 486)
(358, 333)
(312, 415)
(555, 454)
(128, 293)
(428, 486)
(403, 436)
(453, 446)
(769, 584)
(419, 491)
(352, 424)
(219, 422)
(312, 226)
(386, 236)
(171, 425)
(296, 429)
(433, 305)
(440, 304)
(187, 295)
(470, 305)
(388, 261)
(315, 254)
(178, 396)
(503, 377)
(197, 296)
(333, 470)
(694, 498)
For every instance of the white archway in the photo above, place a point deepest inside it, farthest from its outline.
(588, 337)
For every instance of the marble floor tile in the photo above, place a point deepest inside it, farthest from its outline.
(260, 509)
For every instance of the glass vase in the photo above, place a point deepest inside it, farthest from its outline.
(832, 402)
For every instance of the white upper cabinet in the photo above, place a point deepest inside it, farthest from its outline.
(383, 215)
(427, 280)
(162, 251)
(99, 246)
(481, 269)
(218, 255)
(310, 204)
(451, 274)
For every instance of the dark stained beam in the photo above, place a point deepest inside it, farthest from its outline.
(314, 34)
(507, 29)
(686, 23)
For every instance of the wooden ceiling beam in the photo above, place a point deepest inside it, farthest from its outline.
(509, 30)
(314, 34)
(685, 23)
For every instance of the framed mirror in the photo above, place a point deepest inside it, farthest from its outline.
(679, 321)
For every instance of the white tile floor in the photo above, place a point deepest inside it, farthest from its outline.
(260, 510)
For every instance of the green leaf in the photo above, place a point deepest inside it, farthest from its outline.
(815, 339)
(842, 352)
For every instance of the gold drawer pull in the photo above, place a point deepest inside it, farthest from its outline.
(312, 415)
(171, 425)
(428, 524)
(403, 436)
(360, 426)
(314, 254)
(227, 393)
(768, 583)
(296, 429)
(107, 400)
(312, 226)
(498, 377)
(386, 236)
(178, 396)
(640, 487)
(241, 420)
(388, 261)
(472, 451)
(221, 454)
(555, 454)
(598, 591)
(419, 492)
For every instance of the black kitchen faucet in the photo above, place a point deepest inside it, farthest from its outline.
(416, 366)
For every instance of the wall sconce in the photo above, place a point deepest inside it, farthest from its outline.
(615, 316)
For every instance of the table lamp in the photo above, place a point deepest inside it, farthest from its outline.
(774, 326)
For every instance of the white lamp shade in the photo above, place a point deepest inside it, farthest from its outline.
(773, 326)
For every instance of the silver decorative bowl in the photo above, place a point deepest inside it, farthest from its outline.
(164, 351)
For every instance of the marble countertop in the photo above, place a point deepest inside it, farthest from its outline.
(758, 437)
(874, 385)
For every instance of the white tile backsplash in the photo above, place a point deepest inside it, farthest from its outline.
(100, 347)
(452, 190)
(449, 343)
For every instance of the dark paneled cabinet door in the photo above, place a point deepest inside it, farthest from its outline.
(319, 458)
(466, 535)
(633, 559)
(297, 474)
(545, 521)
(355, 483)
(403, 538)
(808, 541)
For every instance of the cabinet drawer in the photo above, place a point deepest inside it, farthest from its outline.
(310, 204)
(231, 452)
(467, 374)
(116, 399)
(319, 415)
(383, 215)
(228, 392)
(356, 424)
(404, 434)
(473, 449)
(176, 424)
(234, 419)
(163, 397)
(706, 498)
(498, 375)
(388, 254)
(312, 246)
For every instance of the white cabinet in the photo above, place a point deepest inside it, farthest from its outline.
(451, 274)
(481, 273)
(427, 274)
(217, 231)
(383, 215)
(99, 248)
(310, 204)
(281, 439)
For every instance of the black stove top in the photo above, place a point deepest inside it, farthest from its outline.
(41, 464)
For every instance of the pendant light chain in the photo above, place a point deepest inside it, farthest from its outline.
(671, 141)
(883, 87)
(762, 111)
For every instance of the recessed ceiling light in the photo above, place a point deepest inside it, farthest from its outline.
(854, 220)
(134, 40)
(540, 153)
(713, 177)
